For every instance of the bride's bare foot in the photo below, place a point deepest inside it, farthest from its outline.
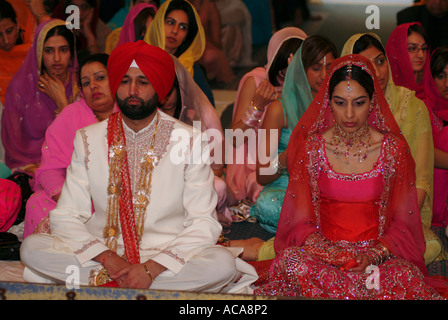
(251, 247)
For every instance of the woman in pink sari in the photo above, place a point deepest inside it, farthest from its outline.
(134, 28)
(436, 99)
(96, 105)
(351, 201)
(258, 88)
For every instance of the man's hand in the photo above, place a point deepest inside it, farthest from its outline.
(133, 276)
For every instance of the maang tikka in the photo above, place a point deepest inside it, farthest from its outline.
(348, 78)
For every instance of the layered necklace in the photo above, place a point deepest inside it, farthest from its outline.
(346, 143)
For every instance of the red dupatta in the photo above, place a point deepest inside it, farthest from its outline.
(436, 104)
(400, 62)
(119, 171)
(400, 223)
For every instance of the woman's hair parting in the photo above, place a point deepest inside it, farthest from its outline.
(355, 73)
(314, 48)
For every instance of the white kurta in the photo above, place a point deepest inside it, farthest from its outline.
(180, 220)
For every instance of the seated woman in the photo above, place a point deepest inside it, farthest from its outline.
(177, 29)
(413, 119)
(236, 32)
(351, 201)
(188, 103)
(305, 73)
(436, 99)
(134, 27)
(96, 105)
(259, 87)
(45, 83)
(119, 17)
(213, 60)
(92, 34)
(408, 40)
(15, 42)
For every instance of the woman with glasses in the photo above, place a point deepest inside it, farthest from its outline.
(408, 40)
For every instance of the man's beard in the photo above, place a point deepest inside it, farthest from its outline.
(140, 111)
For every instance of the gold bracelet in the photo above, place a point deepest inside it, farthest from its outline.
(147, 272)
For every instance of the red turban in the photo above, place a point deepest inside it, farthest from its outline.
(156, 64)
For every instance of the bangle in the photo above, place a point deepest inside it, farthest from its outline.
(278, 167)
(147, 272)
(378, 254)
(106, 257)
(252, 117)
(255, 108)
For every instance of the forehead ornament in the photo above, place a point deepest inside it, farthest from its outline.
(348, 78)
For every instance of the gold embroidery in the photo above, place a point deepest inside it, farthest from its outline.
(142, 189)
(86, 147)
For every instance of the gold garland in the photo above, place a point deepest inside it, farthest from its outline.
(111, 231)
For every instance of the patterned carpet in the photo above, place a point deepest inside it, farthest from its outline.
(440, 267)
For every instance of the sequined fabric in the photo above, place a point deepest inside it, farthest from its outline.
(297, 273)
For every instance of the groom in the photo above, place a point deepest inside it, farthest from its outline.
(153, 223)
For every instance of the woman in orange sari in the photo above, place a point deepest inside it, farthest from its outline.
(16, 36)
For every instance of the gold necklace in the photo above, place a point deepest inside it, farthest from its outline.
(140, 195)
(344, 141)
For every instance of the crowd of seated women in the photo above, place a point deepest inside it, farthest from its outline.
(356, 140)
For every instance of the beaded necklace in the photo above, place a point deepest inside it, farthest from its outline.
(344, 142)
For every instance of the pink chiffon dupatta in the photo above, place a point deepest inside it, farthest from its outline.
(127, 33)
(399, 61)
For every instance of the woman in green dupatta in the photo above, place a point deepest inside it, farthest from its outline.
(305, 73)
(413, 119)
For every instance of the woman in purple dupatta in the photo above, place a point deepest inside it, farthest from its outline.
(28, 111)
(96, 105)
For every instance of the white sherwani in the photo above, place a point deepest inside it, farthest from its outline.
(180, 226)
